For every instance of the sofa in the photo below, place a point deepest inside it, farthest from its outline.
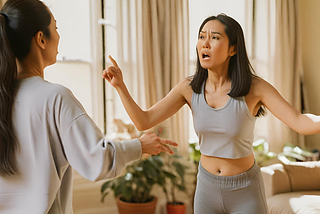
(292, 187)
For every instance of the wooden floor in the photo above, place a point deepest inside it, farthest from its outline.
(87, 198)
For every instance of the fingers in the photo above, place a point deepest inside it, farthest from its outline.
(153, 144)
(110, 72)
(151, 136)
(165, 148)
(168, 142)
(115, 64)
(165, 145)
(108, 75)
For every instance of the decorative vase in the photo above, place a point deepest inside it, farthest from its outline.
(176, 208)
(136, 208)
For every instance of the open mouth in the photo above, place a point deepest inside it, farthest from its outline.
(205, 56)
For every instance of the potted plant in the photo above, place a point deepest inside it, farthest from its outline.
(175, 171)
(132, 190)
(195, 154)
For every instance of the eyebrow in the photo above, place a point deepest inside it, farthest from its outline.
(212, 32)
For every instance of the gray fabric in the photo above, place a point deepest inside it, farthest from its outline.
(55, 134)
(239, 194)
(226, 132)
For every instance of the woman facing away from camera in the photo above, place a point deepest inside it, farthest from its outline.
(44, 130)
(225, 96)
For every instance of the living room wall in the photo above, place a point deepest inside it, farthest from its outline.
(310, 34)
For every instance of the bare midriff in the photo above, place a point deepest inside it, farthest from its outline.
(227, 167)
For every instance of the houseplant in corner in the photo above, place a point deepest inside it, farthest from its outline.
(175, 172)
(132, 190)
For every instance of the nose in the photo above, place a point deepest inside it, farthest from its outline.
(206, 43)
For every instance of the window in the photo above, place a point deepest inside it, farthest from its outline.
(120, 39)
(80, 59)
(198, 11)
(79, 63)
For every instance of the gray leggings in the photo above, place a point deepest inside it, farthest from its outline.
(243, 193)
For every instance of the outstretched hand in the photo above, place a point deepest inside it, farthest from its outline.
(113, 74)
(153, 144)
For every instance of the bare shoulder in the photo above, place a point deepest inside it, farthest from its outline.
(258, 82)
(259, 85)
(184, 88)
(262, 89)
(183, 85)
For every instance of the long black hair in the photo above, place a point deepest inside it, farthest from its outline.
(20, 20)
(240, 70)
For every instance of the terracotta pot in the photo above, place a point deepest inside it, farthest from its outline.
(176, 209)
(136, 208)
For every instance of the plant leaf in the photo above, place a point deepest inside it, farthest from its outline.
(104, 195)
(106, 185)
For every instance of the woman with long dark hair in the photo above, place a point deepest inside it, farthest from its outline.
(225, 96)
(44, 130)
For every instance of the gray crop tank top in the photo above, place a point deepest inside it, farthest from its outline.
(226, 132)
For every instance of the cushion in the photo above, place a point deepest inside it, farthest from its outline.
(276, 179)
(303, 202)
(303, 175)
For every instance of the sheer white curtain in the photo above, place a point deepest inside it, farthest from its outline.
(150, 41)
(288, 73)
(277, 58)
(123, 40)
(165, 53)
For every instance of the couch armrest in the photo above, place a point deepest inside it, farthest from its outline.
(275, 179)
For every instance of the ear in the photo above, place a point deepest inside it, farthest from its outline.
(40, 40)
(233, 50)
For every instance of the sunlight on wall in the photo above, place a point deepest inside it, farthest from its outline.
(73, 69)
(77, 77)
(73, 21)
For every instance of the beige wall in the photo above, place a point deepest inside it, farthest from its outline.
(77, 77)
(310, 34)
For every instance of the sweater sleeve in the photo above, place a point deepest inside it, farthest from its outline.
(87, 151)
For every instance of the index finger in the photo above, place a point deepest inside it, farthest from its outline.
(167, 142)
(113, 61)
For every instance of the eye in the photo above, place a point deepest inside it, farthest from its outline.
(214, 37)
(201, 37)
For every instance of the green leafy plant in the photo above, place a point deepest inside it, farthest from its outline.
(135, 185)
(290, 153)
(293, 153)
(167, 171)
(194, 152)
(175, 172)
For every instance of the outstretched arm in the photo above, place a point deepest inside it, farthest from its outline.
(143, 120)
(85, 147)
(305, 124)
